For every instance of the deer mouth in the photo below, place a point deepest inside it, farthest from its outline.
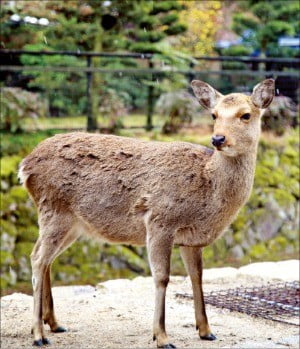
(222, 147)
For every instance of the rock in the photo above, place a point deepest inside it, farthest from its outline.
(218, 273)
(285, 270)
(16, 297)
(269, 224)
(237, 252)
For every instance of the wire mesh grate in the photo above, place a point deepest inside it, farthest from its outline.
(275, 301)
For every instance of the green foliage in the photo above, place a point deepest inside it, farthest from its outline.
(138, 25)
(8, 165)
(61, 89)
(16, 104)
(21, 144)
(242, 21)
(273, 30)
(268, 21)
(264, 11)
(176, 29)
(144, 47)
(165, 6)
(237, 50)
(169, 19)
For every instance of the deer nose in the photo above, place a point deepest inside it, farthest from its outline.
(218, 140)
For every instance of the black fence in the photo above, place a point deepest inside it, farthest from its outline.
(142, 73)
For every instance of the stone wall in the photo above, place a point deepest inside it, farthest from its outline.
(266, 228)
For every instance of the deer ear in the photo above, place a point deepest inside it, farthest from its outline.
(206, 95)
(263, 93)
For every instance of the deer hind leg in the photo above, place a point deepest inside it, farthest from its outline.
(159, 248)
(48, 305)
(52, 241)
(192, 258)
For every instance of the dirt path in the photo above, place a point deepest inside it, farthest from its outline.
(118, 314)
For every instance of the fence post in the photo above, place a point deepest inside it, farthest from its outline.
(90, 123)
(149, 124)
(191, 75)
(88, 95)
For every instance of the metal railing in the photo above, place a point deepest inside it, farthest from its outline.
(257, 67)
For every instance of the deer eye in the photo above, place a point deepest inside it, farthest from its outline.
(246, 116)
(213, 116)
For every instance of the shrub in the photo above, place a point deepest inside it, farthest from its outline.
(17, 104)
(113, 107)
(281, 114)
(180, 108)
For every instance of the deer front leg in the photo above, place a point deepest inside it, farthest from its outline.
(192, 258)
(159, 252)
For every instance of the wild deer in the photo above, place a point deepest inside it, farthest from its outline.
(135, 192)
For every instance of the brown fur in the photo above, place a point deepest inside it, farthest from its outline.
(128, 191)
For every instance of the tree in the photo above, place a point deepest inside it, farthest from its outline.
(202, 19)
(262, 23)
(101, 26)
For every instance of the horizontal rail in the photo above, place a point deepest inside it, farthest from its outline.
(150, 55)
(63, 69)
(78, 54)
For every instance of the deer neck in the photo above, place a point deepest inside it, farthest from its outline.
(233, 176)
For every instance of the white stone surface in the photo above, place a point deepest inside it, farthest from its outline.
(285, 270)
(219, 273)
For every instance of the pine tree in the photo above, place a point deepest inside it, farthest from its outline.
(262, 23)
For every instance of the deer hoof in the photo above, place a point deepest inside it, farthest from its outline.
(209, 337)
(41, 342)
(59, 329)
(169, 346)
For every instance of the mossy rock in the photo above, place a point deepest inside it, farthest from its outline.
(3, 283)
(7, 203)
(258, 251)
(283, 197)
(9, 165)
(81, 252)
(257, 199)
(24, 249)
(278, 244)
(6, 259)
(22, 257)
(242, 220)
(7, 242)
(207, 253)
(68, 273)
(18, 193)
(291, 235)
(8, 228)
(89, 271)
(290, 152)
(177, 267)
(238, 237)
(270, 159)
(28, 233)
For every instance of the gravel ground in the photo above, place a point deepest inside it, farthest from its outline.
(118, 314)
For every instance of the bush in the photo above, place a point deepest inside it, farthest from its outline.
(17, 104)
(112, 106)
(281, 114)
(180, 108)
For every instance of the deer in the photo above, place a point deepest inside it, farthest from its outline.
(159, 194)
